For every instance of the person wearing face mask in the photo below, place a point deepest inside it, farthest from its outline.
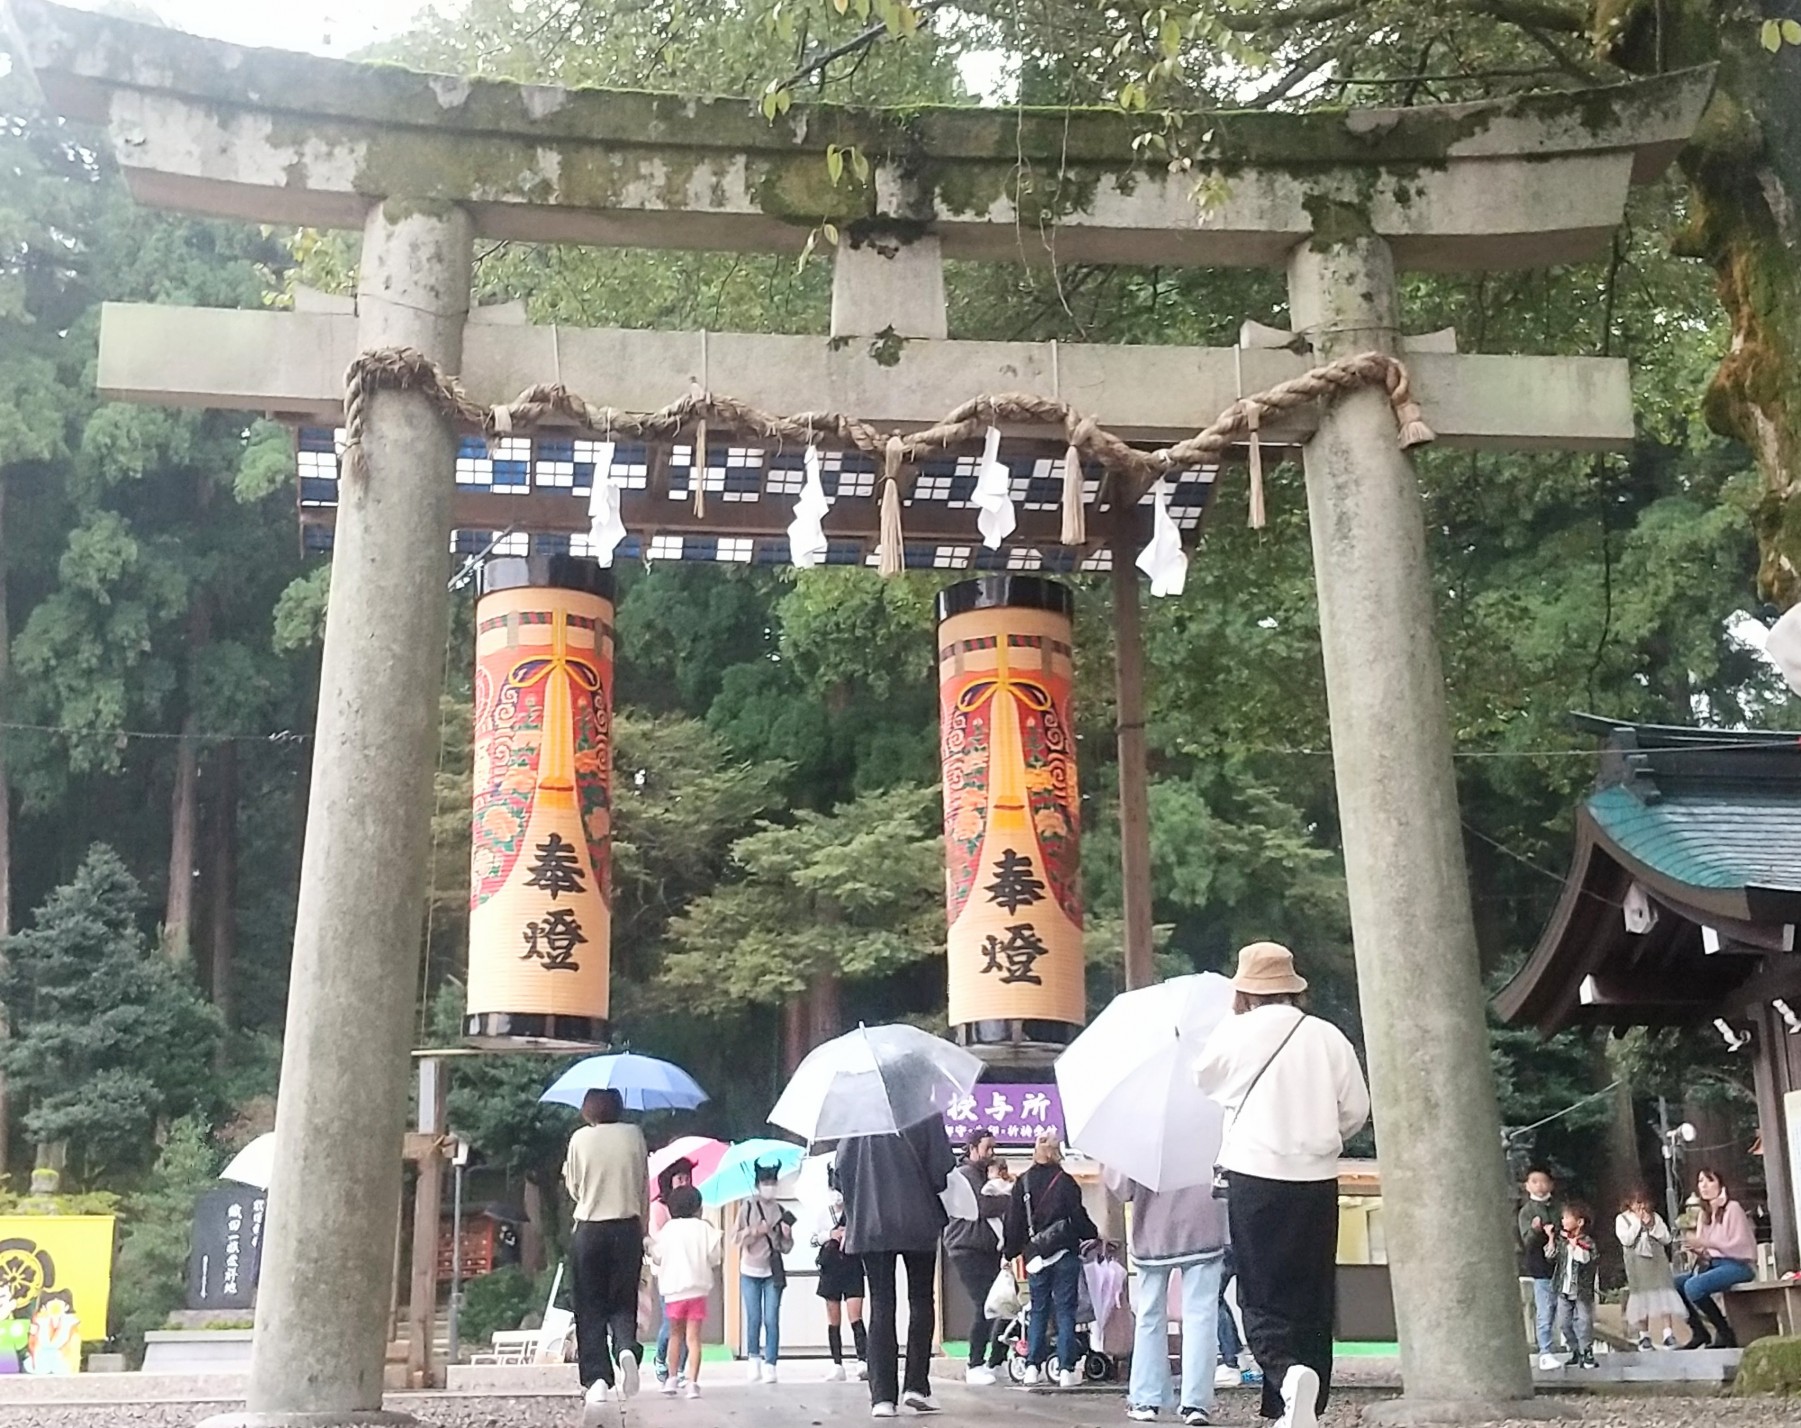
(840, 1286)
(764, 1233)
(974, 1252)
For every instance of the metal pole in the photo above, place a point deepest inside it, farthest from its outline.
(1667, 1144)
(453, 1349)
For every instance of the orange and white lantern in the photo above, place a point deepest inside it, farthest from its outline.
(540, 919)
(1012, 812)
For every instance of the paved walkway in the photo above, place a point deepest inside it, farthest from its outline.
(731, 1404)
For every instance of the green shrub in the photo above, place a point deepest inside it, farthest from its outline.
(494, 1302)
(1770, 1366)
(150, 1280)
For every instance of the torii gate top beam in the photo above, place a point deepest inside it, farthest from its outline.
(268, 136)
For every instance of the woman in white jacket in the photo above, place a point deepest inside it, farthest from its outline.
(1293, 1094)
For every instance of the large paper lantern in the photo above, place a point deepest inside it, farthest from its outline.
(540, 919)
(1011, 813)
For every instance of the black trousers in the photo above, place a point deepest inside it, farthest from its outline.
(1285, 1243)
(976, 1271)
(606, 1262)
(885, 1381)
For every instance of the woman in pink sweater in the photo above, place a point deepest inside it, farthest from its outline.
(1725, 1248)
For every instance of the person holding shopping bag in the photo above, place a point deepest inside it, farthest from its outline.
(1293, 1094)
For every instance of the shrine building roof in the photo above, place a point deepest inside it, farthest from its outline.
(1685, 887)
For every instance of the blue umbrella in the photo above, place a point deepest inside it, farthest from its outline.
(736, 1177)
(645, 1083)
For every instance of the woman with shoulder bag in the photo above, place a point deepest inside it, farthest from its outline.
(1047, 1224)
(1293, 1094)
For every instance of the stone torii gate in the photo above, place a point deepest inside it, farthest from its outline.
(422, 165)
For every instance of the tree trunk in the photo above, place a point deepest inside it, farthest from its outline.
(1744, 172)
(184, 816)
(221, 878)
(825, 1009)
(795, 1033)
(531, 1234)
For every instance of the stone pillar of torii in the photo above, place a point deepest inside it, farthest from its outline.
(424, 166)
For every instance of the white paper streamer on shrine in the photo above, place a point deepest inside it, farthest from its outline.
(1163, 559)
(993, 496)
(1784, 647)
(605, 527)
(806, 532)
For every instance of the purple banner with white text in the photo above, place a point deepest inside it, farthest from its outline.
(1012, 1114)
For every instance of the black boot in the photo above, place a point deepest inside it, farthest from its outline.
(1723, 1337)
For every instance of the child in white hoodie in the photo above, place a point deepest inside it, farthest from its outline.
(685, 1251)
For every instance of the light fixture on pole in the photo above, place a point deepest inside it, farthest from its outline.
(1735, 1040)
(460, 1160)
(1788, 1015)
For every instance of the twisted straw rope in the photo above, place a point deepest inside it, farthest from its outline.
(401, 369)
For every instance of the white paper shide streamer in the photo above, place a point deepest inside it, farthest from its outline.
(1164, 560)
(1784, 647)
(993, 495)
(605, 527)
(806, 532)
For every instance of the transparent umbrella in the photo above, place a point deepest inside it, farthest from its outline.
(874, 1081)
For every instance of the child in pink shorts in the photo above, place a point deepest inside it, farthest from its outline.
(686, 1251)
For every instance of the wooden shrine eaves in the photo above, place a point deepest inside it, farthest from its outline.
(291, 365)
(267, 136)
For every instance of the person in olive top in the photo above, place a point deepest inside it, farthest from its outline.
(974, 1254)
(607, 1174)
(1537, 1216)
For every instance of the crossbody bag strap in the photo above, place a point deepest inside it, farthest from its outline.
(1283, 1046)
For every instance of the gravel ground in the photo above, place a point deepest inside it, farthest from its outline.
(1070, 1411)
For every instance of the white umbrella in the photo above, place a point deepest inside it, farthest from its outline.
(254, 1164)
(1129, 1098)
(874, 1081)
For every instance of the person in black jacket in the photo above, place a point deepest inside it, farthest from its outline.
(893, 1213)
(1047, 1224)
(974, 1253)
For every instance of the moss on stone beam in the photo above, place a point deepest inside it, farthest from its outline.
(81, 55)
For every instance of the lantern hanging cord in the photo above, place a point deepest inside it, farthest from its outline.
(402, 369)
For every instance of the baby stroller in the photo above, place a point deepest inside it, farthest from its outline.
(1097, 1367)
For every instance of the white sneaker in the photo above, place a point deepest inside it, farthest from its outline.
(691, 1390)
(920, 1402)
(1069, 1378)
(835, 1374)
(768, 1372)
(628, 1375)
(594, 1405)
(1033, 1376)
(1142, 1415)
(1226, 1376)
(1547, 1362)
(980, 1376)
(753, 1372)
(670, 1387)
(861, 1372)
(1669, 1338)
(1300, 1392)
(884, 1410)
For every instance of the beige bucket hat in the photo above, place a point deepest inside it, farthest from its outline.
(1266, 969)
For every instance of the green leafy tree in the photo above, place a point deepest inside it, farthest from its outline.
(855, 893)
(157, 1230)
(109, 1038)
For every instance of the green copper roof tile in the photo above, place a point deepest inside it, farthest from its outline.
(1734, 838)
